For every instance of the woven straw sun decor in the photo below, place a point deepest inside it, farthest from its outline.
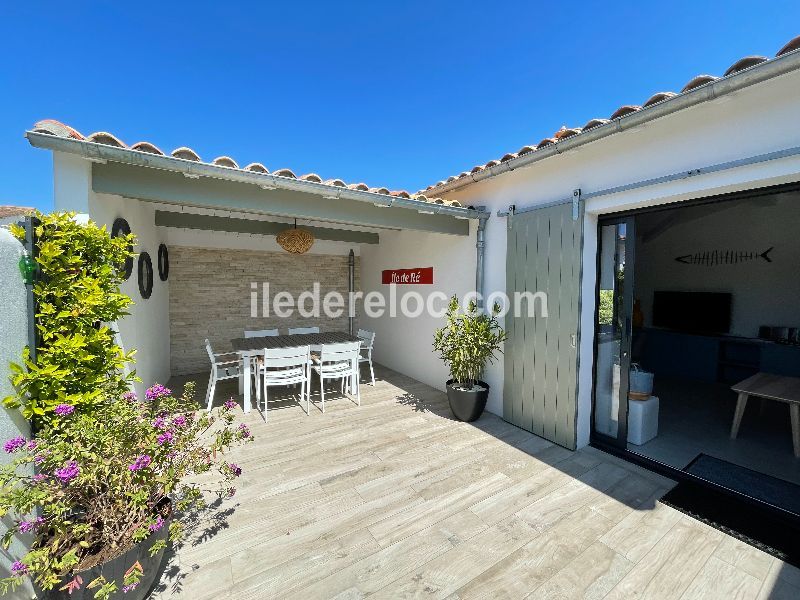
(294, 240)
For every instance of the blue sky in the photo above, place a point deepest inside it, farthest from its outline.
(398, 95)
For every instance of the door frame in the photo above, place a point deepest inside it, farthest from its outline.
(621, 440)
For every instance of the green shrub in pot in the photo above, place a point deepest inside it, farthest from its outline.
(466, 344)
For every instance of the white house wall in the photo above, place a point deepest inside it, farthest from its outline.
(146, 328)
(753, 121)
(404, 343)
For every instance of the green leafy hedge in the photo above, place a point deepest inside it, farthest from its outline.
(77, 292)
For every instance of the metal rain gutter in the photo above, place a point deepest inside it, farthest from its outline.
(710, 91)
(102, 153)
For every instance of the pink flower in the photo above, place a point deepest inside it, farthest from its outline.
(39, 477)
(19, 568)
(14, 444)
(129, 396)
(230, 404)
(164, 438)
(69, 472)
(179, 421)
(159, 523)
(129, 588)
(28, 526)
(142, 461)
(157, 391)
(64, 410)
(31, 446)
(235, 469)
(160, 423)
(244, 431)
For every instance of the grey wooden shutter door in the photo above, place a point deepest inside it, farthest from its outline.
(541, 354)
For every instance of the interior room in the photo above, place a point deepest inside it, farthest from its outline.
(713, 303)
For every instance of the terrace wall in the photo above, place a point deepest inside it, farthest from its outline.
(210, 296)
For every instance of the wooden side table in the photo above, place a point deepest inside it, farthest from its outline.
(773, 387)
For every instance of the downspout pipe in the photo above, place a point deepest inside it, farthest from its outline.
(480, 246)
(351, 278)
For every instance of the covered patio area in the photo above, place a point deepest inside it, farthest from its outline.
(394, 499)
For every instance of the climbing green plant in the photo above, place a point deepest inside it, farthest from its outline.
(78, 361)
(468, 341)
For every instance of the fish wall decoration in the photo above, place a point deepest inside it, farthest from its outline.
(713, 258)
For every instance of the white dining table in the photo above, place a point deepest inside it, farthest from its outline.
(251, 347)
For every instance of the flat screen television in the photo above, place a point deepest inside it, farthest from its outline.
(693, 312)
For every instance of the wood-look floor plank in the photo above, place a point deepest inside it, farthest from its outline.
(396, 499)
(668, 569)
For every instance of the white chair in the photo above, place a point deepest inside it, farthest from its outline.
(338, 361)
(296, 330)
(261, 333)
(286, 366)
(226, 365)
(256, 358)
(367, 340)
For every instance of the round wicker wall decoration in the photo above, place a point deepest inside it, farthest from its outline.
(145, 275)
(120, 228)
(163, 262)
(294, 240)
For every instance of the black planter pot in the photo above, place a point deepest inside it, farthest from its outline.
(467, 405)
(114, 570)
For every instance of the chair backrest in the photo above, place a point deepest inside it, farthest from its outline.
(287, 357)
(210, 352)
(253, 333)
(333, 353)
(367, 339)
(296, 330)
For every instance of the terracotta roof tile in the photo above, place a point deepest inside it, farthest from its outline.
(311, 177)
(225, 161)
(186, 154)
(791, 46)
(13, 211)
(745, 63)
(147, 147)
(627, 109)
(624, 111)
(102, 137)
(697, 81)
(257, 168)
(658, 97)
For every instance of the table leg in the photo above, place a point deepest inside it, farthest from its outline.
(247, 383)
(794, 414)
(741, 404)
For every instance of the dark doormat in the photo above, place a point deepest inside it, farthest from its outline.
(743, 514)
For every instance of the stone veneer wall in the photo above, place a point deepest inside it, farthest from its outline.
(209, 296)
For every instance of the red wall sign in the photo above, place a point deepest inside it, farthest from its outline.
(422, 275)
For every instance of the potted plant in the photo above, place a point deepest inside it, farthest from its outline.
(106, 479)
(468, 341)
(102, 492)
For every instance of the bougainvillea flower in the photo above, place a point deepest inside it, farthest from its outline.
(157, 391)
(64, 410)
(142, 461)
(69, 472)
(14, 444)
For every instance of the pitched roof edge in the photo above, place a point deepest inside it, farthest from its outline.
(784, 62)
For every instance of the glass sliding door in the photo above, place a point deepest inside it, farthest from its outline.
(613, 330)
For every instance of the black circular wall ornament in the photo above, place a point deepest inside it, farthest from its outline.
(120, 228)
(145, 275)
(163, 262)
